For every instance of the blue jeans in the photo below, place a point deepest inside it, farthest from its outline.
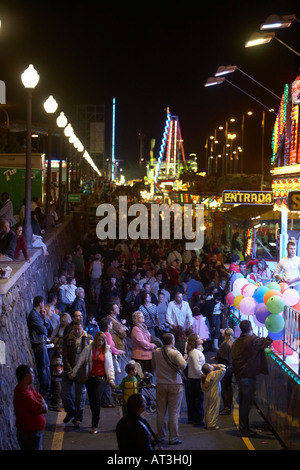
(217, 325)
(43, 367)
(73, 407)
(247, 388)
(30, 440)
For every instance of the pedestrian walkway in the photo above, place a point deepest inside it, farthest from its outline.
(58, 436)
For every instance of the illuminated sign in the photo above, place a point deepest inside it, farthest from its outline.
(294, 201)
(295, 91)
(247, 197)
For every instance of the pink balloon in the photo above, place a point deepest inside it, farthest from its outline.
(247, 306)
(230, 298)
(249, 290)
(237, 285)
(244, 287)
(291, 297)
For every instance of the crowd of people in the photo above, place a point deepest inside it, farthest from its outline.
(154, 307)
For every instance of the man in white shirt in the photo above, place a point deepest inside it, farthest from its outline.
(179, 312)
(289, 266)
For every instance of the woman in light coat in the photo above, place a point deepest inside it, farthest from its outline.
(100, 369)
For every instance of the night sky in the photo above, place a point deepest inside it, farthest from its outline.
(149, 57)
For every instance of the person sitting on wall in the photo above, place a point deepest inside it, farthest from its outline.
(21, 244)
(8, 242)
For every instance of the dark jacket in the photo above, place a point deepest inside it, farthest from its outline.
(39, 327)
(8, 243)
(79, 305)
(135, 433)
(69, 349)
(248, 356)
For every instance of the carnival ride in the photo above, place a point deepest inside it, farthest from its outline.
(171, 158)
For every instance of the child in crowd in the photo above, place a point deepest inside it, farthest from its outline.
(211, 386)
(92, 326)
(128, 385)
(57, 368)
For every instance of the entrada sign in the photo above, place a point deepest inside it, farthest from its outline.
(247, 197)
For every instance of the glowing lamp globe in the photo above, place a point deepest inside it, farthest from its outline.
(50, 105)
(30, 77)
(62, 121)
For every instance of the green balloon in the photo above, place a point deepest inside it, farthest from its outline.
(275, 304)
(274, 285)
(274, 323)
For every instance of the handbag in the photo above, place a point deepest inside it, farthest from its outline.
(116, 366)
(174, 367)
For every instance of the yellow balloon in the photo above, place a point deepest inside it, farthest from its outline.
(237, 300)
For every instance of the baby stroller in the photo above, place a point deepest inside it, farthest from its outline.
(145, 385)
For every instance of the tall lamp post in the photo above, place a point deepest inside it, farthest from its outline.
(50, 107)
(30, 79)
(68, 131)
(61, 122)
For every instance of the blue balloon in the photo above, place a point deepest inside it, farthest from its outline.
(236, 276)
(276, 336)
(259, 293)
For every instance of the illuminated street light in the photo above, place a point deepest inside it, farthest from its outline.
(50, 106)
(61, 122)
(256, 39)
(224, 70)
(278, 21)
(219, 80)
(30, 79)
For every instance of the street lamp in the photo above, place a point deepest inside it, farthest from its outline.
(50, 106)
(30, 79)
(225, 70)
(256, 39)
(68, 131)
(61, 122)
(278, 21)
(219, 80)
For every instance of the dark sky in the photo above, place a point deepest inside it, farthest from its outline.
(148, 56)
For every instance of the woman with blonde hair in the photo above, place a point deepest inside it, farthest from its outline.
(224, 357)
(194, 394)
(141, 342)
(100, 369)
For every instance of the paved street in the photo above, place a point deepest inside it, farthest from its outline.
(59, 436)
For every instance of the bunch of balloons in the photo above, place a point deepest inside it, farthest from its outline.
(264, 303)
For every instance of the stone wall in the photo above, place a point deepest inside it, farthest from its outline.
(16, 296)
